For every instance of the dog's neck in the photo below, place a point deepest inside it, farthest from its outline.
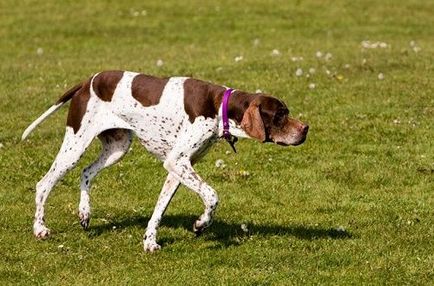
(238, 103)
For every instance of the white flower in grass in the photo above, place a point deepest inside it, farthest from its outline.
(39, 51)
(347, 66)
(238, 58)
(219, 163)
(296, 59)
(312, 85)
(340, 229)
(318, 54)
(60, 246)
(256, 42)
(299, 72)
(1, 145)
(258, 91)
(366, 44)
(364, 61)
(244, 228)
(328, 56)
(414, 46)
(380, 76)
(396, 121)
(160, 63)
(374, 45)
(144, 13)
(275, 52)
(312, 71)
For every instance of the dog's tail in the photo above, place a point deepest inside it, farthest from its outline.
(61, 101)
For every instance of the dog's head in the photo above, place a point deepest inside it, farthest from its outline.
(267, 119)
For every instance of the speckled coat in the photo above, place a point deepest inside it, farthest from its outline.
(176, 119)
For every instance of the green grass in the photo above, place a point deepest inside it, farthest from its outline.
(353, 205)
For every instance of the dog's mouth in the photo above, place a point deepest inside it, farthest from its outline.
(291, 140)
(292, 143)
(300, 141)
(291, 135)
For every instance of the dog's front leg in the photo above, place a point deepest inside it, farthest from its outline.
(150, 238)
(181, 169)
(194, 139)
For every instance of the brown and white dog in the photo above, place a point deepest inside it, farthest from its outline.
(176, 119)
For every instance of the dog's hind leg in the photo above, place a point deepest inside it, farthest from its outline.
(72, 148)
(115, 144)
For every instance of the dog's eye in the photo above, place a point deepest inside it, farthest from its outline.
(279, 116)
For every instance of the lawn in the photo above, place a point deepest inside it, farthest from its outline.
(353, 205)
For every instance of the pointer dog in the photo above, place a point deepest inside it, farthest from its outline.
(176, 119)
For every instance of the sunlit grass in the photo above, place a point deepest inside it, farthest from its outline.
(353, 205)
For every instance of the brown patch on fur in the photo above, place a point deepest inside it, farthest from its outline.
(69, 94)
(259, 115)
(78, 106)
(238, 104)
(104, 84)
(148, 89)
(273, 113)
(252, 122)
(201, 98)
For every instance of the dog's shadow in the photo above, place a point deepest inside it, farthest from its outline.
(227, 234)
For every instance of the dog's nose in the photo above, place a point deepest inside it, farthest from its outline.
(305, 129)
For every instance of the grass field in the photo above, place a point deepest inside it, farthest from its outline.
(353, 205)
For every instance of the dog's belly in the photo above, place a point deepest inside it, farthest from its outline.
(157, 126)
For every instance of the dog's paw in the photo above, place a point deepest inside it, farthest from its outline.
(41, 232)
(84, 219)
(151, 246)
(198, 227)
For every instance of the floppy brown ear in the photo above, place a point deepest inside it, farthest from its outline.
(252, 123)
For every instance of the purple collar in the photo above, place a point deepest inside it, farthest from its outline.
(226, 134)
(225, 106)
